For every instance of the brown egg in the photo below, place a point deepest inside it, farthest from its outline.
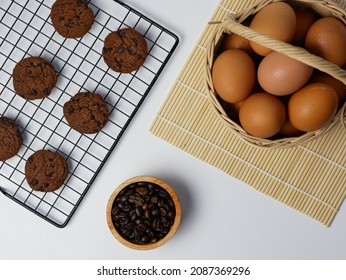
(313, 106)
(234, 41)
(305, 18)
(276, 20)
(288, 130)
(339, 86)
(281, 75)
(233, 75)
(327, 39)
(236, 106)
(262, 115)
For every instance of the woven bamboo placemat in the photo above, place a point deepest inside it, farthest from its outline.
(310, 178)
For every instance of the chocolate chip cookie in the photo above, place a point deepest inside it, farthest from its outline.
(46, 171)
(72, 18)
(125, 50)
(10, 138)
(86, 112)
(34, 78)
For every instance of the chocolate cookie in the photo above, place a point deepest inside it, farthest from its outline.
(86, 112)
(125, 50)
(10, 138)
(72, 18)
(34, 78)
(46, 171)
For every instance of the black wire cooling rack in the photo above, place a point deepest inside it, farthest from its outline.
(26, 30)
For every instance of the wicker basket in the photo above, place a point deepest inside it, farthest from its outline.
(232, 24)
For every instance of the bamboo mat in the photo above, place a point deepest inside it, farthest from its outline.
(310, 178)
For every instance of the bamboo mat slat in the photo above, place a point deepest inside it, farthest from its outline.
(310, 178)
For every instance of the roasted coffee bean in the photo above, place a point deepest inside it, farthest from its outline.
(130, 226)
(139, 201)
(155, 212)
(154, 199)
(133, 217)
(163, 194)
(171, 214)
(123, 198)
(142, 191)
(143, 213)
(145, 206)
(163, 211)
(124, 206)
(139, 211)
(124, 222)
(156, 223)
(115, 211)
(145, 239)
(138, 221)
(147, 214)
(170, 202)
(142, 227)
(150, 233)
(121, 215)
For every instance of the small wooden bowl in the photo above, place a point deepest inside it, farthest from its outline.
(158, 182)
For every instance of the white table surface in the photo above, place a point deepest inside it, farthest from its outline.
(223, 218)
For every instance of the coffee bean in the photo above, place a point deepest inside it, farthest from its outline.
(115, 211)
(145, 239)
(145, 206)
(154, 199)
(163, 194)
(138, 221)
(130, 226)
(171, 214)
(121, 214)
(125, 207)
(143, 213)
(123, 198)
(142, 227)
(163, 211)
(124, 222)
(156, 223)
(147, 214)
(155, 212)
(139, 201)
(139, 211)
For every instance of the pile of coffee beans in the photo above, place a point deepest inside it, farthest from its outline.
(143, 213)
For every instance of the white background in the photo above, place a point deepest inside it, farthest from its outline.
(222, 217)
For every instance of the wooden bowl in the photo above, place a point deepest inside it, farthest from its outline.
(132, 244)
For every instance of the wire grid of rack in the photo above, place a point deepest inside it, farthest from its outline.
(26, 30)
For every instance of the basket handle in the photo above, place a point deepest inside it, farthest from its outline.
(230, 25)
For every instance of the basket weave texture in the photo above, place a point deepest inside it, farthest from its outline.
(233, 24)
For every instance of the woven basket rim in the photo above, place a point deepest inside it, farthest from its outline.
(232, 24)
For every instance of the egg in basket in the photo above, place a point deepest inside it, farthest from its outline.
(275, 72)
